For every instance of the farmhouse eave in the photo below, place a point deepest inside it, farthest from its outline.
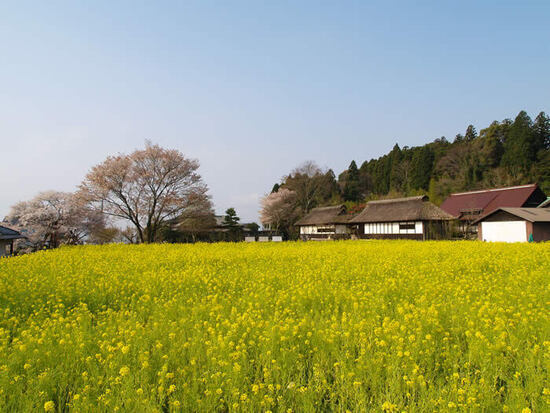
(9, 234)
(526, 214)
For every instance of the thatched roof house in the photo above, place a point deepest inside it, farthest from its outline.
(325, 215)
(411, 218)
(325, 223)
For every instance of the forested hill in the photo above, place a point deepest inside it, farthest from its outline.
(504, 153)
(507, 152)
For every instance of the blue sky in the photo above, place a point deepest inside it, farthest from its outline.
(252, 89)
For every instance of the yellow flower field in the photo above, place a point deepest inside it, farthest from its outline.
(335, 326)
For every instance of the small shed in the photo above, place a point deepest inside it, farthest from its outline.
(7, 237)
(325, 223)
(403, 218)
(515, 225)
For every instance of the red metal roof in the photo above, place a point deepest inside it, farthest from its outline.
(488, 200)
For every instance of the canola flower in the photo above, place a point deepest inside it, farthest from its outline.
(390, 326)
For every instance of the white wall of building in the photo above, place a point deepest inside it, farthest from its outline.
(504, 231)
(342, 229)
(324, 229)
(410, 227)
(308, 229)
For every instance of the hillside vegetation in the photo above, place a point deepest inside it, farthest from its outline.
(393, 326)
(507, 152)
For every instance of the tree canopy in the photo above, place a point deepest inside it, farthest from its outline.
(148, 187)
(53, 218)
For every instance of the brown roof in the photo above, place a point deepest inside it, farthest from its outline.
(484, 201)
(528, 214)
(325, 215)
(416, 208)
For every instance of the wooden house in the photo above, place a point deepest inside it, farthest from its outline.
(7, 237)
(325, 223)
(515, 225)
(467, 207)
(402, 218)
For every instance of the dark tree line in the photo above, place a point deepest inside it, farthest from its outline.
(507, 152)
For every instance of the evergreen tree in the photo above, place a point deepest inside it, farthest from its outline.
(422, 166)
(541, 130)
(351, 186)
(470, 134)
(366, 183)
(519, 148)
(275, 188)
(231, 222)
(330, 188)
(542, 173)
(396, 175)
(491, 146)
(382, 175)
(458, 138)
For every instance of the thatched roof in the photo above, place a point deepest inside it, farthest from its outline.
(325, 215)
(416, 208)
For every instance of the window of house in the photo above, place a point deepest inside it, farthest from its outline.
(325, 229)
(406, 227)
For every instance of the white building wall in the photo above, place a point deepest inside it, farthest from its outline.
(504, 231)
(313, 229)
(341, 229)
(394, 228)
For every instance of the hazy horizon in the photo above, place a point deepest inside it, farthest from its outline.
(252, 90)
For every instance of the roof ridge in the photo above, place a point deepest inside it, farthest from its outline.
(479, 191)
(391, 200)
(327, 207)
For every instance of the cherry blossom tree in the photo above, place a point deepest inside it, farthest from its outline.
(53, 218)
(148, 187)
(279, 210)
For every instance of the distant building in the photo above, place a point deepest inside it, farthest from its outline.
(325, 223)
(246, 228)
(7, 237)
(515, 225)
(469, 206)
(403, 218)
